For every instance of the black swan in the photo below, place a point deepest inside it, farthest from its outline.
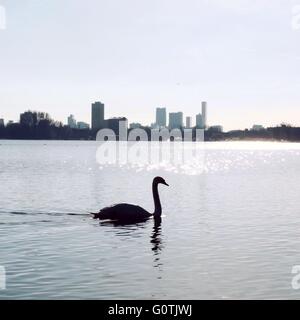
(128, 213)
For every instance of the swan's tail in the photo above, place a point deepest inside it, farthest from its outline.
(94, 215)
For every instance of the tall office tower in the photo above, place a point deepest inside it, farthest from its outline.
(161, 117)
(204, 114)
(199, 121)
(188, 122)
(97, 115)
(175, 120)
(114, 124)
(72, 122)
(1, 122)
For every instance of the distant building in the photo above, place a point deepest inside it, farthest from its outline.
(72, 122)
(113, 124)
(82, 125)
(175, 120)
(188, 122)
(161, 117)
(200, 121)
(204, 114)
(217, 128)
(201, 118)
(135, 125)
(1, 122)
(97, 115)
(154, 126)
(257, 127)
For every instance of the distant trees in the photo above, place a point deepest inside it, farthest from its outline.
(39, 126)
(285, 132)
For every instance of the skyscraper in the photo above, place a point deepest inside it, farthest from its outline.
(204, 114)
(188, 122)
(175, 120)
(161, 117)
(97, 115)
(114, 124)
(199, 121)
(72, 122)
(1, 122)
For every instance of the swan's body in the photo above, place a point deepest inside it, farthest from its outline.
(128, 213)
(123, 211)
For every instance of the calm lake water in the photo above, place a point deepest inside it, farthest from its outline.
(229, 230)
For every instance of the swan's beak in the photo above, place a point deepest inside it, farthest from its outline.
(166, 184)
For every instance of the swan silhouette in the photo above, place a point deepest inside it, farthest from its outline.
(128, 213)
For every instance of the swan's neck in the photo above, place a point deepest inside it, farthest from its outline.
(157, 205)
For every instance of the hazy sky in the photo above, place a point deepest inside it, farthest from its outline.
(242, 56)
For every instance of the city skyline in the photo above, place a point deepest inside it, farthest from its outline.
(99, 121)
(39, 125)
(175, 119)
(241, 56)
(162, 117)
(86, 118)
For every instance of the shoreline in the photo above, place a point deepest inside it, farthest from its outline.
(206, 141)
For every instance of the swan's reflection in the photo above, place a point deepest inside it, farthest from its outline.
(124, 229)
(156, 243)
(134, 230)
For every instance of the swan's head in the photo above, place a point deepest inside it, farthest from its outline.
(159, 180)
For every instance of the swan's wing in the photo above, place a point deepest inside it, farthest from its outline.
(121, 211)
